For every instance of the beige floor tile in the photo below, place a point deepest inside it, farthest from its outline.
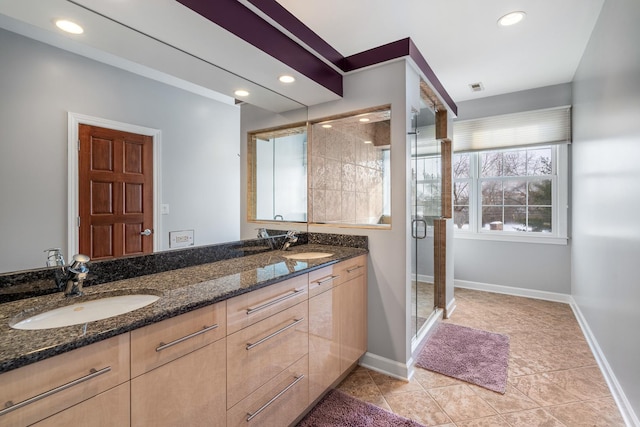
(512, 401)
(581, 382)
(587, 414)
(543, 390)
(418, 406)
(360, 385)
(429, 379)
(389, 385)
(553, 377)
(495, 421)
(532, 418)
(461, 403)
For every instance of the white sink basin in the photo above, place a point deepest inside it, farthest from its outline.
(86, 311)
(308, 255)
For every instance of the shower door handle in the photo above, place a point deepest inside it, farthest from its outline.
(414, 228)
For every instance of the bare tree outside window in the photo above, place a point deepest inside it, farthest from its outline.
(504, 190)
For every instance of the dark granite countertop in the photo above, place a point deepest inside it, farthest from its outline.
(180, 291)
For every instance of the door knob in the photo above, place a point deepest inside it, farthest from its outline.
(146, 232)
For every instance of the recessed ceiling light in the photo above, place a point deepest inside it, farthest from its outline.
(241, 92)
(327, 126)
(286, 79)
(69, 27)
(511, 18)
(367, 142)
(364, 119)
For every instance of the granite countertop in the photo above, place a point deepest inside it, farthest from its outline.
(180, 291)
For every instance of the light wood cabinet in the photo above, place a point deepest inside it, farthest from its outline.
(337, 322)
(256, 359)
(247, 309)
(188, 391)
(260, 352)
(353, 315)
(324, 341)
(45, 388)
(108, 409)
(277, 403)
(162, 342)
(179, 370)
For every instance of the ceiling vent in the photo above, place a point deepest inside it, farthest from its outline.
(476, 87)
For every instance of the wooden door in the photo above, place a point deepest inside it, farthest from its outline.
(115, 193)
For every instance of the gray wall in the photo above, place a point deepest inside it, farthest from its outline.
(40, 84)
(538, 267)
(606, 200)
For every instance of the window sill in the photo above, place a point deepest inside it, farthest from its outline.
(516, 238)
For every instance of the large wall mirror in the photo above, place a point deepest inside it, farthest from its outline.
(197, 151)
(335, 170)
(278, 174)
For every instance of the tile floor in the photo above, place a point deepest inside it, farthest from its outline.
(553, 377)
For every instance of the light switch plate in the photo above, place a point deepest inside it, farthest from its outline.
(180, 239)
(164, 209)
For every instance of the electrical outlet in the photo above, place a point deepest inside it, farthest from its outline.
(180, 239)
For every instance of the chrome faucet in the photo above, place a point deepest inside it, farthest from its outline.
(69, 278)
(289, 239)
(264, 234)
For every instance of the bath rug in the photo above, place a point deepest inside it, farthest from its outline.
(475, 356)
(338, 409)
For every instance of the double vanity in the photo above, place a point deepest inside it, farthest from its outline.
(250, 340)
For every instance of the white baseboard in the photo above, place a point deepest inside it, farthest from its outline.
(629, 416)
(451, 307)
(520, 292)
(401, 371)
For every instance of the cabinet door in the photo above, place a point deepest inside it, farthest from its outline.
(162, 342)
(54, 384)
(189, 391)
(353, 321)
(324, 342)
(260, 352)
(107, 409)
(277, 403)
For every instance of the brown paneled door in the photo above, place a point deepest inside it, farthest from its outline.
(115, 193)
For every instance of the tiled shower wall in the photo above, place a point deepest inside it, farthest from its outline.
(345, 181)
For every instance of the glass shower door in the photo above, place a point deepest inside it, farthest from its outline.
(425, 207)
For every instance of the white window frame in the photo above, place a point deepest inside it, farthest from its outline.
(559, 203)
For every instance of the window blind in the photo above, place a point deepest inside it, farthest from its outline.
(548, 126)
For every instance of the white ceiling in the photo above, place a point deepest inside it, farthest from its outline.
(459, 39)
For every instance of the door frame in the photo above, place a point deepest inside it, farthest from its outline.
(73, 146)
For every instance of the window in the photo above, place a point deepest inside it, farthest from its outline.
(509, 194)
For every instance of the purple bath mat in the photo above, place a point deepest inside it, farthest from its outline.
(338, 409)
(478, 357)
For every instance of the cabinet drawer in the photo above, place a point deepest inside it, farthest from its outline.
(260, 352)
(54, 384)
(352, 268)
(162, 342)
(189, 391)
(275, 404)
(107, 409)
(324, 279)
(249, 308)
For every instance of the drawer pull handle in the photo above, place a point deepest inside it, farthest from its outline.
(357, 267)
(274, 398)
(328, 279)
(278, 332)
(274, 301)
(9, 406)
(163, 346)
